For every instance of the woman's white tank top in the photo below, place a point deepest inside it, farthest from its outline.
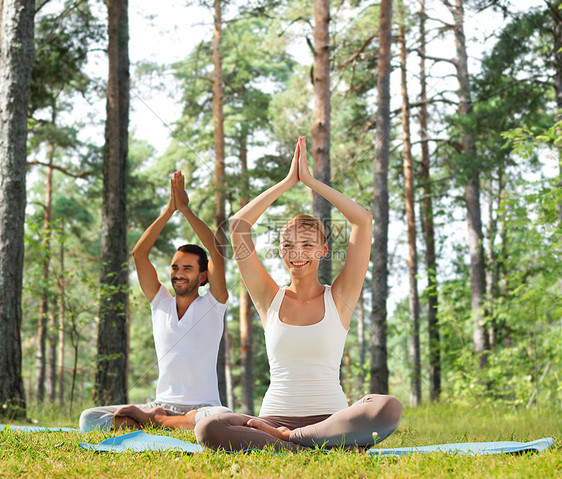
(304, 363)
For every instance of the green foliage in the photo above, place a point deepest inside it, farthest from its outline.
(71, 281)
(255, 66)
(267, 105)
(524, 141)
(62, 43)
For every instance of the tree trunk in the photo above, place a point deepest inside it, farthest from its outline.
(472, 193)
(246, 329)
(429, 231)
(16, 59)
(110, 381)
(379, 286)
(492, 281)
(361, 342)
(477, 267)
(321, 124)
(75, 340)
(347, 380)
(246, 357)
(62, 313)
(413, 299)
(51, 375)
(504, 287)
(44, 301)
(220, 199)
(556, 13)
(230, 399)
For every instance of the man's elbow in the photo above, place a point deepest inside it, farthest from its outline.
(139, 253)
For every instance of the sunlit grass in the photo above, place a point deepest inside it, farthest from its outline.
(57, 454)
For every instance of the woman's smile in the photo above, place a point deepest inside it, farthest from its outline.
(298, 264)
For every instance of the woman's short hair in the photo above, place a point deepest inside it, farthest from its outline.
(308, 222)
(201, 254)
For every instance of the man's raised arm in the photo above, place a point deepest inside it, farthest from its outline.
(148, 278)
(215, 270)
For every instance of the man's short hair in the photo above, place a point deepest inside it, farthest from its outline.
(202, 255)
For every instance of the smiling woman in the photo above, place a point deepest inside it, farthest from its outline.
(305, 325)
(303, 243)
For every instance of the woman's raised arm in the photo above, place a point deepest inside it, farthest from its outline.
(346, 288)
(258, 282)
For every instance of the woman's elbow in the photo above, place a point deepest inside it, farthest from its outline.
(238, 225)
(366, 220)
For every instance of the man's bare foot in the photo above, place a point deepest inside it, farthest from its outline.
(125, 422)
(144, 418)
(282, 432)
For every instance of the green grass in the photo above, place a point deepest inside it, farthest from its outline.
(57, 454)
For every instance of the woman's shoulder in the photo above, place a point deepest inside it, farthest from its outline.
(277, 298)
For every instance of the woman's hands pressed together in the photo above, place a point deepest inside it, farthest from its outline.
(304, 172)
(293, 175)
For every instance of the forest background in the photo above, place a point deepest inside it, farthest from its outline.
(473, 150)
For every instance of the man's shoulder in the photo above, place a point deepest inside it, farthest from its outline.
(209, 300)
(163, 296)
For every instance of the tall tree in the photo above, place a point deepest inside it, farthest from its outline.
(62, 41)
(321, 122)
(111, 372)
(246, 316)
(555, 9)
(379, 285)
(493, 267)
(472, 188)
(408, 167)
(44, 301)
(428, 226)
(61, 326)
(220, 198)
(361, 316)
(16, 59)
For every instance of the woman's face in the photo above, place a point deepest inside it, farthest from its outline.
(301, 249)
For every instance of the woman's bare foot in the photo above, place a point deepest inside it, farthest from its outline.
(282, 432)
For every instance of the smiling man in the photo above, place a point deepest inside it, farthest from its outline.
(187, 329)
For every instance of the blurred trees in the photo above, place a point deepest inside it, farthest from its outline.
(63, 40)
(488, 131)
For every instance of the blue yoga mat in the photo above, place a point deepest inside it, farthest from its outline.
(11, 427)
(140, 441)
(471, 448)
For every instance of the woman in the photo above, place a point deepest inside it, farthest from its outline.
(305, 328)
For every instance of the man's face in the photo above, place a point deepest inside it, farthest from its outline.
(185, 274)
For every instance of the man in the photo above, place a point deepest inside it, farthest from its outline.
(187, 329)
